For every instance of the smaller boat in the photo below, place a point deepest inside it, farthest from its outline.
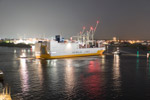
(117, 52)
(23, 55)
(1, 75)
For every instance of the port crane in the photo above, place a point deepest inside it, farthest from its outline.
(88, 36)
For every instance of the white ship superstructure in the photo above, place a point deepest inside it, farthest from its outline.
(83, 45)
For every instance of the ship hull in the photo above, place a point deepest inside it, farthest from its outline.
(47, 56)
(55, 50)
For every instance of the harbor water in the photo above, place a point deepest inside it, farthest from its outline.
(106, 77)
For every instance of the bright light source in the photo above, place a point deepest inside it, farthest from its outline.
(68, 45)
(97, 22)
(91, 28)
(53, 52)
(83, 27)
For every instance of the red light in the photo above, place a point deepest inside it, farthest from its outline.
(91, 28)
(84, 27)
(80, 32)
(97, 22)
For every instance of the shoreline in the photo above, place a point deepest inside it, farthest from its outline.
(20, 45)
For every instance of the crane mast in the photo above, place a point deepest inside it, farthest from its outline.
(88, 36)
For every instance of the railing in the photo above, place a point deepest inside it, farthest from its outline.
(5, 95)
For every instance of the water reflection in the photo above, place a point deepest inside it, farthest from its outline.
(148, 65)
(149, 69)
(54, 70)
(103, 62)
(15, 51)
(40, 71)
(53, 63)
(69, 77)
(137, 63)
(68, 62)
(24, 75)
(116, 71)
(92, 80)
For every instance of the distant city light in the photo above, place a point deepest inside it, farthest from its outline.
(25, 41)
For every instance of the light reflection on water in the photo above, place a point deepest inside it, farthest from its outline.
(116, 75)
(116, 68)
(40, 72)
(149, 69)
(94, 80)
(24, 75)
(106, 77)
(103, 62)
(148, 65)
(137, 63)
(69, 77)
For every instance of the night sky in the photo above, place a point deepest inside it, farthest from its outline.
(126, 19)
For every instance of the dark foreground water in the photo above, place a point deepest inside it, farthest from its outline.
(106, 77)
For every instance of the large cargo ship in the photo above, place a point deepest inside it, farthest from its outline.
(83, 45)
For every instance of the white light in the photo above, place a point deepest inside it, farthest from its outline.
(53, 52)
(33, 48)
(68, 45)
(23, 55)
